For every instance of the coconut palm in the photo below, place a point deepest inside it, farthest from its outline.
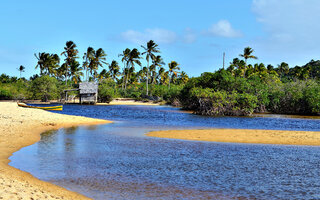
(40, 57)
(133, 58)
(124, 59)
(75, 71)
(283, 69)
(48, 63)
(97, 61)
(70, 52)
(151, 48)
(87, 57)
(247, 55)
(157, 62)
(173, 70)
(183, 77)
(114, 70)
(104, 74)
(161, 75)
(21, 69)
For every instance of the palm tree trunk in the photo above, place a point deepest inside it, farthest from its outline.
(125, 86)
(245, 68)
(147, 77)
(169, 80)
(66, 77)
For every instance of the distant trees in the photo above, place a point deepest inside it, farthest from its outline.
(87, 58)
(70, 52)
(48, 63)
(173, 71)
(247, 54)
(150, 49)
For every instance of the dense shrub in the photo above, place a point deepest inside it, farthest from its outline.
(299, 97)
(219, 103)
(45, 88)
(5, 94)
(106, 91)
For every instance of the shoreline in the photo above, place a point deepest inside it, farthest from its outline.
(246, 136)
(21, 127)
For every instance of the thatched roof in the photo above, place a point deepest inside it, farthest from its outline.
(88, 87)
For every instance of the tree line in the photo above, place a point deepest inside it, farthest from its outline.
(238, 89)
(132, 79)
(93, 60)
(242, 89)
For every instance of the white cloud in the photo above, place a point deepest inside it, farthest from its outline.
(158, 35)
(291, 26)
(223, 28)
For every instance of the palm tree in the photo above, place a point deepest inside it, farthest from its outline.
(283, 69)
(125, 56)
(87, 57)
(247, 55)
(114, 70)
(173, 70)
(157, 62)
(133, 58)
(40, 62)
(70, 52)
(75, 71)
(104, 74)
(21, 69)
(149, 51)
(161, 75)
(97, 61)
(48, 63)
(52, 64)
(183, 77)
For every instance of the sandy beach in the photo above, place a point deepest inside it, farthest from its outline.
(129, 102)
(244, 136)
(20, 127)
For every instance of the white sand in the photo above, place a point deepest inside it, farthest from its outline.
(21, 127)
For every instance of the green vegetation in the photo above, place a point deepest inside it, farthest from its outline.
(151, 82)
(240, 89)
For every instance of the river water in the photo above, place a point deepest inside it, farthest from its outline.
(116, 161)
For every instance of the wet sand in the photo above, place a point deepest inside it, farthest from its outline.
(20, 127)
(243, 136)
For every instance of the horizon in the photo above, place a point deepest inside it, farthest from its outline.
(194, 34)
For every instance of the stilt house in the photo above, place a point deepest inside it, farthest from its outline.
(88, 92)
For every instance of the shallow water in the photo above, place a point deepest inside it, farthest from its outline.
(116, 161)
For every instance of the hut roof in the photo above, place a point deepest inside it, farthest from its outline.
(88, 87)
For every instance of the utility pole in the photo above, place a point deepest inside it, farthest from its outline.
(224, 55)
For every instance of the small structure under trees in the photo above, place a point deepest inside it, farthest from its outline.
(88, 92)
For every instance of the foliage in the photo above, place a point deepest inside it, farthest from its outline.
(44, 88)
(106, 91)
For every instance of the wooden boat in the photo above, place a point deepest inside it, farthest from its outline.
(43, 108)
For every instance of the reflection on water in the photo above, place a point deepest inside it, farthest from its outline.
(115, 161)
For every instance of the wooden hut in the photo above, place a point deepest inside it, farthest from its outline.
(88, 92)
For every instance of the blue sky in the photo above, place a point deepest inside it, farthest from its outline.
(194, 33)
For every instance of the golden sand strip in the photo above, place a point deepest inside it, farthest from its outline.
(20, 127)
(129, 103)
(244, 136)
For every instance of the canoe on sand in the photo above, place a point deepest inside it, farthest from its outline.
(43, 108)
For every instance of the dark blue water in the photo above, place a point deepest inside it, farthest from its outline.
(116, 161)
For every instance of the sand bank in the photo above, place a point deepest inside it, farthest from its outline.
(20, 127)
(129, 102)
(244, 136)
